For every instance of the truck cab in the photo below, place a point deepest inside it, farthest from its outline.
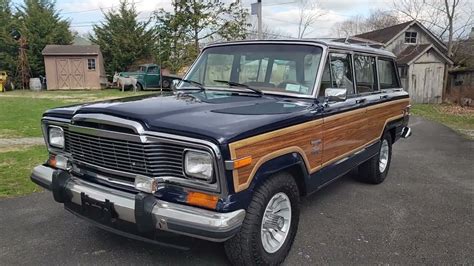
(149, 76)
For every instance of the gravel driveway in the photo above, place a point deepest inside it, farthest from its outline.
(422, 213)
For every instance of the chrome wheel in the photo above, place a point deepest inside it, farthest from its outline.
(276, 222)
(383, 156)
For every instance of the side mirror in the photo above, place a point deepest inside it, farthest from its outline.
(335, 94)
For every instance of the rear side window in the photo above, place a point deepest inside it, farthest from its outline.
(365, 73)
(387, 75)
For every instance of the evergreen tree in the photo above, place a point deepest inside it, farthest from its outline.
(8, 46)
(194, 22)
(123, 39)
(175, 49)
(41, 24)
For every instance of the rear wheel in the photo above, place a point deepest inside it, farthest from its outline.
(139, 87)
(375, 170)
(270, 224)
(166, 84)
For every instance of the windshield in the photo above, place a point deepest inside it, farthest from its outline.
(281, 68)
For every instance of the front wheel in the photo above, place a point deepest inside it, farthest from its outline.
(270, 224)
(375, 170)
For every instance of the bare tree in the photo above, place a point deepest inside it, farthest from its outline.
(448, 19)
(309, 13)
(377, 19)
(267, 33)
(349, 27)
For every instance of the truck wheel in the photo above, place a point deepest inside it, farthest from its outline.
(375, 170)
(270, 224)
(166, 84)
(139, 87)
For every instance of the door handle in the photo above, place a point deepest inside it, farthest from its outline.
(384, 97)
(360, 101)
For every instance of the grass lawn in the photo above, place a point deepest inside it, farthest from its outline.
(20, 111)
(20, 115)
(15, 170)
(456, 117)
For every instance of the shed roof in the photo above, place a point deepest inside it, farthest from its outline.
(412, 53)
(71, 50)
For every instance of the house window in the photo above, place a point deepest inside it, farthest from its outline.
(410, 37)
(91, 64)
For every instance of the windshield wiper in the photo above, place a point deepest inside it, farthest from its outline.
(195, 83)
(236, 84)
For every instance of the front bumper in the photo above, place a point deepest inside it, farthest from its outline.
(143, 211)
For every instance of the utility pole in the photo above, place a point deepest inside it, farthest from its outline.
(259, 17)
(256, 9)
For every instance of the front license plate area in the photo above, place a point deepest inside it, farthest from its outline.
(102, 211)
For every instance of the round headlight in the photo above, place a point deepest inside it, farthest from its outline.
(198, 164)
(56, 137)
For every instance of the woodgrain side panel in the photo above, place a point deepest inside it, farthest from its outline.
(344, 134)
(271, 145)
(380, 114)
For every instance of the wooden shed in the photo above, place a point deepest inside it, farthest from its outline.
(71, 67)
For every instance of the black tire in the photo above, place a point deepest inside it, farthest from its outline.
(165, 84)
(369, 171)
(246, 247)
(139, 87)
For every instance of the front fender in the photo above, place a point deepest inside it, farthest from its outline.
(288, 162)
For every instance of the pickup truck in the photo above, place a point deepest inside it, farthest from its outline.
(149, 76)
(252, 127)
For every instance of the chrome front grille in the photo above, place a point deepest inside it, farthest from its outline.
(157, 159)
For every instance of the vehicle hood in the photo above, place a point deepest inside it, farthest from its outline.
(221, 119)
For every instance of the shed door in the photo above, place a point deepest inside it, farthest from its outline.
(77, 73)
(427, 82)
(70, 73)
(62, 67)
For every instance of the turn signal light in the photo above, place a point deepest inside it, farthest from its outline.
(52, 160)
(202, 200)
(59, 162)
(239, 163)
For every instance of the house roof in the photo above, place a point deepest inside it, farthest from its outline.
(387, 35)
(412, 53)
(384, 35)
(71, 50)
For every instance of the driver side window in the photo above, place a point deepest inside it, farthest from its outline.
(337, 73)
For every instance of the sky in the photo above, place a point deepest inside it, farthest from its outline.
(282, 15)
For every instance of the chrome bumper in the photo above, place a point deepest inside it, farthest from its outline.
(406, 132)
(166, 216)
